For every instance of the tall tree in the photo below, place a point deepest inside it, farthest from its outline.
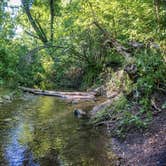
(51, 2)
(35, 24)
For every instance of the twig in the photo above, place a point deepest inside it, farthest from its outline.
(162, 90)
(155, 107)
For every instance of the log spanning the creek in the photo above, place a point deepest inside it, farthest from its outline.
(65, 95)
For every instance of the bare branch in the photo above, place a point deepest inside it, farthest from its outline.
(33, 35)
(113, 42)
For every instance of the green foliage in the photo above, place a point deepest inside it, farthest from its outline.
(127, 117)
(8, 63)
(151, 69)
(83, 52)
(101, 116)
(31, 75)
(84, 45)
(129, 122)
(91, 76)
(80, 56)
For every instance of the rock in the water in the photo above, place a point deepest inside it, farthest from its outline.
(79, 113)
(6, 97)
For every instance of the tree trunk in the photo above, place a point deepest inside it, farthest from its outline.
(51, 20)
(35, 24)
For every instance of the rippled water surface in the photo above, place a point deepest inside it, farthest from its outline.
(42, 131)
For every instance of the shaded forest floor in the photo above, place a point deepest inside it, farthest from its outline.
(147, 148)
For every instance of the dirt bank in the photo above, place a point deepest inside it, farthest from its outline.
(144, 149)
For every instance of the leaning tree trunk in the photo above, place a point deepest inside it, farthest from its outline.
(35, 24)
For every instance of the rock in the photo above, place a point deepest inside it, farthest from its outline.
(1, 101)
(6, 97)
(79, 113)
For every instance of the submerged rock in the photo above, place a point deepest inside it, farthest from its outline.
(79, 113)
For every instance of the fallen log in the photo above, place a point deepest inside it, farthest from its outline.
(65, 95)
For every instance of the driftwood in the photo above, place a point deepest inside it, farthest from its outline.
(65, 95)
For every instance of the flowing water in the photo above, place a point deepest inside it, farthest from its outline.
(42, 131)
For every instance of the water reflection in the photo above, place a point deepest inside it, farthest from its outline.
(18, 154)
(42, 131)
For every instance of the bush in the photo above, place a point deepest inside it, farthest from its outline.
(151, 71)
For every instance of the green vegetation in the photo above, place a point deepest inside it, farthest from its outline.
(81, 44)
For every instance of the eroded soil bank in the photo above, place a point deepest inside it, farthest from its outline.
(147, 148)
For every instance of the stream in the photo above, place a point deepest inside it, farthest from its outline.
(42, 131)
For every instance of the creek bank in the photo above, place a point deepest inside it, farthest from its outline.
(7, 96)
(144, 146)
(147, 148)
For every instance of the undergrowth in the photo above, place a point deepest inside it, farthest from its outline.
(133, 110)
